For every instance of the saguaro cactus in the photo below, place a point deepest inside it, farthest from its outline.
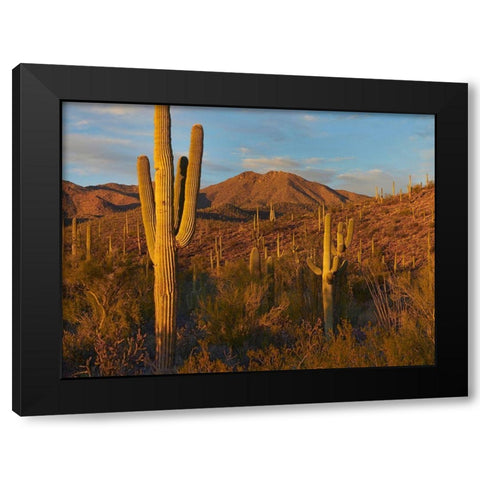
(270, 275)
(272, 213)
(165, 230)
(139, 245)
(333, 266)
(254, 264)
(88, 242)
(74, 238)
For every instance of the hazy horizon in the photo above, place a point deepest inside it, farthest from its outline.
(343, 150)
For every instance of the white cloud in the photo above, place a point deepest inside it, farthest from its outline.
(309, 118)
(242, 150)
(339, 159)
(264, 164)
(315, 160)
(365, 181)
(89, 154)
(113, 109)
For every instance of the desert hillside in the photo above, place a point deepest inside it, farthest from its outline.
(250, 190)
(244, 191)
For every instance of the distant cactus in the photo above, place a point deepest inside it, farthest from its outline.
(217, 261)
(270, 275)
(163, 238)
(88, 242)
(124, 240)
(272, 213)
(319, 221)
(393, 189)
(74, 238)
(139, 245)
(333, 267)
(254, 264)
(278, 245)
(147, 264)
(269, 266)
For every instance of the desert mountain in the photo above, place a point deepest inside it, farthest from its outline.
(99, 200)
(246, 190)
(250, 189)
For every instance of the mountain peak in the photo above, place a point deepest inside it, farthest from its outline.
(250, 189)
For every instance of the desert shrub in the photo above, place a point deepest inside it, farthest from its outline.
(117, 357)
(104, 311)
(200, 361)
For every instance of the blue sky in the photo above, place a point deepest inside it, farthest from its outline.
(344, 150)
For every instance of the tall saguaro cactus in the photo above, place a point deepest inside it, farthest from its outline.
(333, 266)
(169, 220)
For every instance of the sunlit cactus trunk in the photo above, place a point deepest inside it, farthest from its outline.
(169, 222)
(333, 267)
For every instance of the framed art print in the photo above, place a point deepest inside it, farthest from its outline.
(193, 239)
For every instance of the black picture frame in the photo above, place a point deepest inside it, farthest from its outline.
(38, 91)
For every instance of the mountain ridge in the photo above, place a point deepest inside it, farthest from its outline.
(245, 190)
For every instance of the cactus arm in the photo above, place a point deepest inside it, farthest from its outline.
(314, 268)
(334, 268)
(340, 238)
(147, 202)
(327, 243)
(349, 238)
(342, 267)
(179, 192)
(192, 185)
